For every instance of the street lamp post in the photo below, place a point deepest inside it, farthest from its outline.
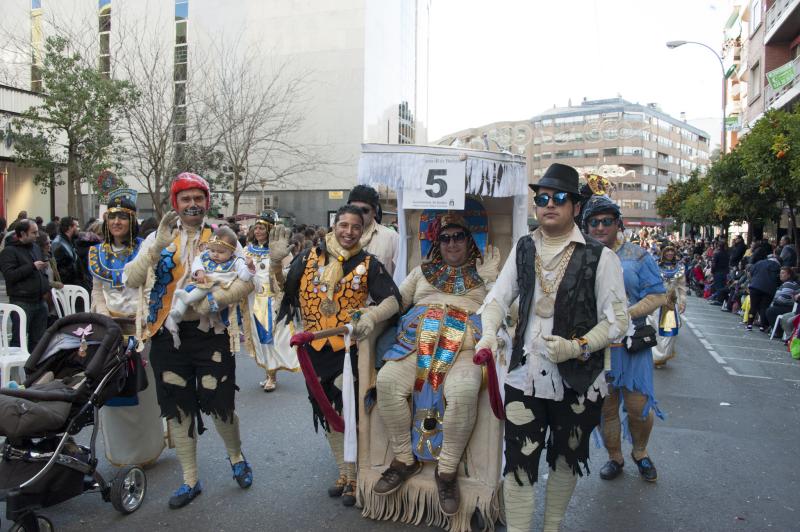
(263, 183)
(675, 44)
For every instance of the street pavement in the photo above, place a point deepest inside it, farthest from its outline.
(726, 454)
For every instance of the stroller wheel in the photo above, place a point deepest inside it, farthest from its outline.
(128, 490)
(43, 524)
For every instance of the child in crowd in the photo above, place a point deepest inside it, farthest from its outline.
(707, 291)
(219, 266)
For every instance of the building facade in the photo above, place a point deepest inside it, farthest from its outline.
(761, 50)
(640, 147)
(364, 65)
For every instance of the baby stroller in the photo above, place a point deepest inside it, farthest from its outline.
(80, 363)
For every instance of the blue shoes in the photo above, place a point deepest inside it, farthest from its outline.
(242, 473)
(184, 495)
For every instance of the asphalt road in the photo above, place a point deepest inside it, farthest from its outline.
(726, 455)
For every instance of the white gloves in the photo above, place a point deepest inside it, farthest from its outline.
(372, 316)
(364, 326)
(166, 233)
(560, 349)
(489, 266)
(491, 319)
(279, 244)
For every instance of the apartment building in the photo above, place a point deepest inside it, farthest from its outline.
(641, 148)
(364, 62)
(762, 50)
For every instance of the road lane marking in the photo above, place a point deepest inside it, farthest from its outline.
(733, 372)
(764, 361)
(748, 347)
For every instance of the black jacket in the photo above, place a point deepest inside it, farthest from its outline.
(23, 281)
(69, 266)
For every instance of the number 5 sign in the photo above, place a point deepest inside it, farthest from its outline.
(443, 186)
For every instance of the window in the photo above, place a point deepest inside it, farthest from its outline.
(270, 202)
(180, 54)
(631, 150)
(105, 22)
(105, 64)
(754, 82)
(755, 16)
(633, 117)
(591, 153)
(180, 32)
(566, 154)
(105, 44)
(180, 72)
(180, 94)
(181, 10)
(546, 155)
(610, 152)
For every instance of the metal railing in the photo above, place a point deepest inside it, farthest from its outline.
(772, 95)
(776, 11)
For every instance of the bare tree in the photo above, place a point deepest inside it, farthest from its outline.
(162, 131)
(256, 111)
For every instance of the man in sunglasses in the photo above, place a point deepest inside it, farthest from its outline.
(376, 239)
(631, 373)
(571, 304)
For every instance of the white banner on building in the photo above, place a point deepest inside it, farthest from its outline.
(444, 186)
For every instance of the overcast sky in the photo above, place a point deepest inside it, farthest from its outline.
(512, 59)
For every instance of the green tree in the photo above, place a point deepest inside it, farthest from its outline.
(74, 124)
(737, 195)
(770, 155)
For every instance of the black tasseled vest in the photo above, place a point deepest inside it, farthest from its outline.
(575, 308)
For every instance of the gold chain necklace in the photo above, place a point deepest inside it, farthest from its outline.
(545, 305)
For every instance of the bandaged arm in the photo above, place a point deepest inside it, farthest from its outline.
(135, 273)
(237, 291)
(647, 305)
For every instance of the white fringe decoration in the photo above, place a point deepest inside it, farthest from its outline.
(489, 174)
(417, 502)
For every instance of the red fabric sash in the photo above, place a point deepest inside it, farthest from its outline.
(484, 356)
(300, 340)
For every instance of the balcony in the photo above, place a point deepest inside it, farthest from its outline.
(783, 19)
(778, 99)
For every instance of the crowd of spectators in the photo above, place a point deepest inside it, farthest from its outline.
(759, 282)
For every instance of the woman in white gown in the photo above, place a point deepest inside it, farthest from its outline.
(271, 339)
(667, 319)
(132, 428)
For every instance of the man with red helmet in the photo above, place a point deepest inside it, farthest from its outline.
(200, 375)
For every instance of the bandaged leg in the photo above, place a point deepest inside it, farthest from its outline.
(394, 385)
(229, 432)
(520, 502)
(612, 427)
(185, 446)
(560, 486)
(640, 428)
(336, 442)
(461, 387)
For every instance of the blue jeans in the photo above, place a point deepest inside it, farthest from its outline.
(36, 313)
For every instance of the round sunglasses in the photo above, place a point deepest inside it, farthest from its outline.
(559, 199)
(607, 222)
(455, 237)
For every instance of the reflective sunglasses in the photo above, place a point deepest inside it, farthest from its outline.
(559, 199)
(607, 222)
(455, 237)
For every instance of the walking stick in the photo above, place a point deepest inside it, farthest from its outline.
(485, 357)
(300, 340)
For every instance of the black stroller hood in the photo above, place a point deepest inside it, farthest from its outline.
(105, 333)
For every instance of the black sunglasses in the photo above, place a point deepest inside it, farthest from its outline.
(366, 210)
(455, 237)
(559, 199)
(607, 222)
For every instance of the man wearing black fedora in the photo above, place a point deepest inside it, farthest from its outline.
(571, 305)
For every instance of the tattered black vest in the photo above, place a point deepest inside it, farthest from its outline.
(575, 308)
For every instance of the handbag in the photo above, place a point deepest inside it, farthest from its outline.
(644, 336)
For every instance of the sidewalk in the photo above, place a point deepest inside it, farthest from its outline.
(741, 353)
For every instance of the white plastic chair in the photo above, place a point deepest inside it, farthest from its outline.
(12, 357)
(64, 300)
(778, 321)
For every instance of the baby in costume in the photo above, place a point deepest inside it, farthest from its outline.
(218, 265)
